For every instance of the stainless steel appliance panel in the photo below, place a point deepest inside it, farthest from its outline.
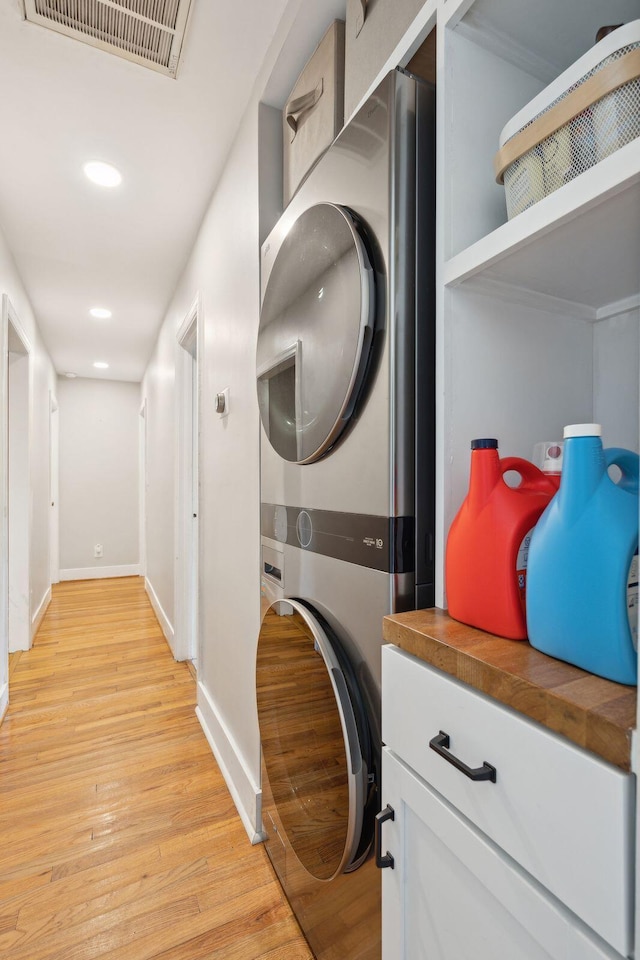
(318, 704)
(352, 598)
(346, 536)
(369, 169)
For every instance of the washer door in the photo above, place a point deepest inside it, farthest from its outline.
(315, 335)
(314, 741)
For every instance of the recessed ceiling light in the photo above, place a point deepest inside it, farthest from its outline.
(100, 365)
(100, 313)
(71, 376)
(104, 174)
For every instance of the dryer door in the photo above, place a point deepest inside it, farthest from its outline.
(315, 335)
(314, 741)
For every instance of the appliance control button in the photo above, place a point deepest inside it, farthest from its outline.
(304, 528)
(280, 524)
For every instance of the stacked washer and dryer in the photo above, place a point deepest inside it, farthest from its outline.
(345, 379)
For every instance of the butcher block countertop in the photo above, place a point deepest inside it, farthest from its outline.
(596, 714)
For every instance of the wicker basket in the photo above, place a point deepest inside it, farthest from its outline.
(590, 111)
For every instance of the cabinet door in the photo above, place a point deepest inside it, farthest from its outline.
(452, 894)
(535, 811)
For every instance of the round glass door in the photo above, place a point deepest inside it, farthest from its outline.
(310, 745)
(315, 335)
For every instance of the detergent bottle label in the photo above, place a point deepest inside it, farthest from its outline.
(521, 567)
(632, 599)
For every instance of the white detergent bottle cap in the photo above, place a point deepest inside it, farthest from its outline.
(583, 430)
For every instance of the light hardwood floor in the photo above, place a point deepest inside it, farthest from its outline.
(120, 840)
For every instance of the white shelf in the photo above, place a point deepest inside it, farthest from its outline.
(572, 246)
(546, 40)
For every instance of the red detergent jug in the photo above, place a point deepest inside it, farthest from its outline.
(488, 543)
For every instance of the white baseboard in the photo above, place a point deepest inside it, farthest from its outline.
(101, 573)
(4, 700)
(163, 619)
(246, 794)
(36, 619)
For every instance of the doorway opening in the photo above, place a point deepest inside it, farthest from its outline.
(187, 637)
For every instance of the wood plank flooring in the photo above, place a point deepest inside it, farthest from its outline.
(120, 840)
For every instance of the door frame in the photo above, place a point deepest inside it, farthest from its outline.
(54, 489)
(12, 330)
(142, 487)
(189, 338)
(4, 505)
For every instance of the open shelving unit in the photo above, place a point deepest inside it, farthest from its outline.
(538, 326)
(592, 223)
(538, 316)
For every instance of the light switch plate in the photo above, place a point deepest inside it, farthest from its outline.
(225, 394)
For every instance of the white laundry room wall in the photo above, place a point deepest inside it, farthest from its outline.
(42, 386)
(223, 271)
(98, 478)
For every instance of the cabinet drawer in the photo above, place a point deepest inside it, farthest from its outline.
(313, 115)
(562, 814)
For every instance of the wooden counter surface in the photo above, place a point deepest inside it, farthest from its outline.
(594, 713)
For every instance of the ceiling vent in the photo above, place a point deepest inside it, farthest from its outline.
(149, 32)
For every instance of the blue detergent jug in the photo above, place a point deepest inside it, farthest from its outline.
(582, 575)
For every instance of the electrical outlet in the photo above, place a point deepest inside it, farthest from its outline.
(97, 550)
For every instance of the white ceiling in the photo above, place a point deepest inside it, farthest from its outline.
(77, 246)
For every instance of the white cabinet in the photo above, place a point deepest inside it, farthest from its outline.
(453, 895)
(537, 864)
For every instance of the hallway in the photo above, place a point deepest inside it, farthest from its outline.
(120, 840)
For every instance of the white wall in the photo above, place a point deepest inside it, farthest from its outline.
(43, 388)
(98, 463)
(616, 348)
(41, 385)
(19, 495)
(224, 269)
(158, 390)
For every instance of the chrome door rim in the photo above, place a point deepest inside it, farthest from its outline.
(362, 350)
(357, 773)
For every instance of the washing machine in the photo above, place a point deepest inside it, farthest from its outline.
(345, 372)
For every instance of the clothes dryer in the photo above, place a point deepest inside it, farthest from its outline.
(345, 380)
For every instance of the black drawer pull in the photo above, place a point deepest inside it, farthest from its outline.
(387, 860)
(441, 746)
